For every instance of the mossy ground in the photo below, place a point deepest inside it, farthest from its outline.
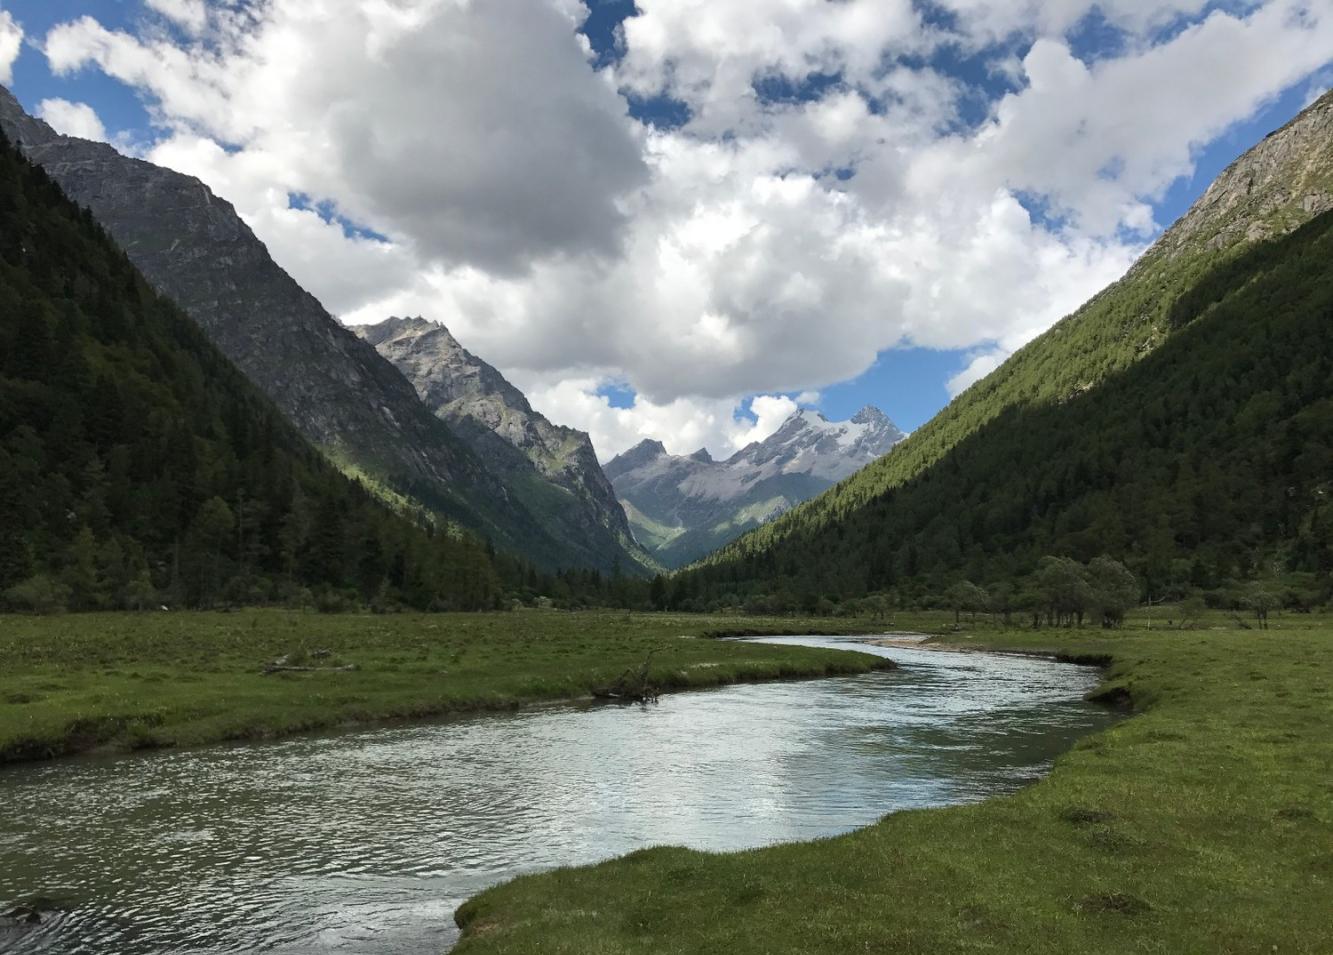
(133, 681)
(1202, 824)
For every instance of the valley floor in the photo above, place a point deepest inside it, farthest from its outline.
(123, 681)
(1202, 824)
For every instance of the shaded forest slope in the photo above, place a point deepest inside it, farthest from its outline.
(138, 465)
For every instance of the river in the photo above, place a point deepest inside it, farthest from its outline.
(365, 841)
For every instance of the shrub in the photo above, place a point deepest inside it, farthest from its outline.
(39, 594)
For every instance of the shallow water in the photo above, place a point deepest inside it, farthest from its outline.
(366, 841)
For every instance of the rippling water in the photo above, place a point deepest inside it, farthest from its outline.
(366, 841)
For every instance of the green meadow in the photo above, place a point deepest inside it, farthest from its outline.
(78, 682)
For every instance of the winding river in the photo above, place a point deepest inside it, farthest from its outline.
(366, 841)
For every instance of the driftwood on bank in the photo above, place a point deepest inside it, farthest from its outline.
(294, 663)
(630, 686)
(277, 668)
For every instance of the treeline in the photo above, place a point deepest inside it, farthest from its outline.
(1207, 464)
(1060, 592)
(138, 467)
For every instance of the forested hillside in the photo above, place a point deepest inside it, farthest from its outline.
(1209, 461)
(138, 466)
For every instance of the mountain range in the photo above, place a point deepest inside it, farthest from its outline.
(401, 406)
(1179, 421)
(683, 507)
(347, 399)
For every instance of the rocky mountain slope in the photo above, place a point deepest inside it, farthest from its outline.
(1281, 183)
(682, 508)
(339, 392)
(553, 470)
(1194, 289)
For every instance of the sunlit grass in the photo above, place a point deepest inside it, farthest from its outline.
(76, 682)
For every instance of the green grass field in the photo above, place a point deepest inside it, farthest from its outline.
(1204, 824)
(134, 681)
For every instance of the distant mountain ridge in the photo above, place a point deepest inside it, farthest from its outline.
(339, 392)
(683, 507)
(553, 469)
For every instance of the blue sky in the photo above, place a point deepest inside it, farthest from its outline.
(562, 333)
(117, 104)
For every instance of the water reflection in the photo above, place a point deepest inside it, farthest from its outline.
(366, 841)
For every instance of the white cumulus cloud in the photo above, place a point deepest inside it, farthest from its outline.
(977, 368)
(475, 131)
(476, 167)
(1124, 129)
(11, 44)
(683, 425)
(72, 119)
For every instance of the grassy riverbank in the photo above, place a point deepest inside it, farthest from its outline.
(1203, 824)
(132, 681)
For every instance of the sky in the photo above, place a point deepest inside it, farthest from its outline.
(684, 219)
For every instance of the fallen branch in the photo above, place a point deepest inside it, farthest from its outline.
(648, 695)
(277, 668)
(629, 686)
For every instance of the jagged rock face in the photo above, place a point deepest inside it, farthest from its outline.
(682, 508)
(342, 395)
(502, 428)
(1282, 182)
(455, 384)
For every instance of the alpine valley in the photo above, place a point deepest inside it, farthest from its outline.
(427, 426)
(363, 649)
